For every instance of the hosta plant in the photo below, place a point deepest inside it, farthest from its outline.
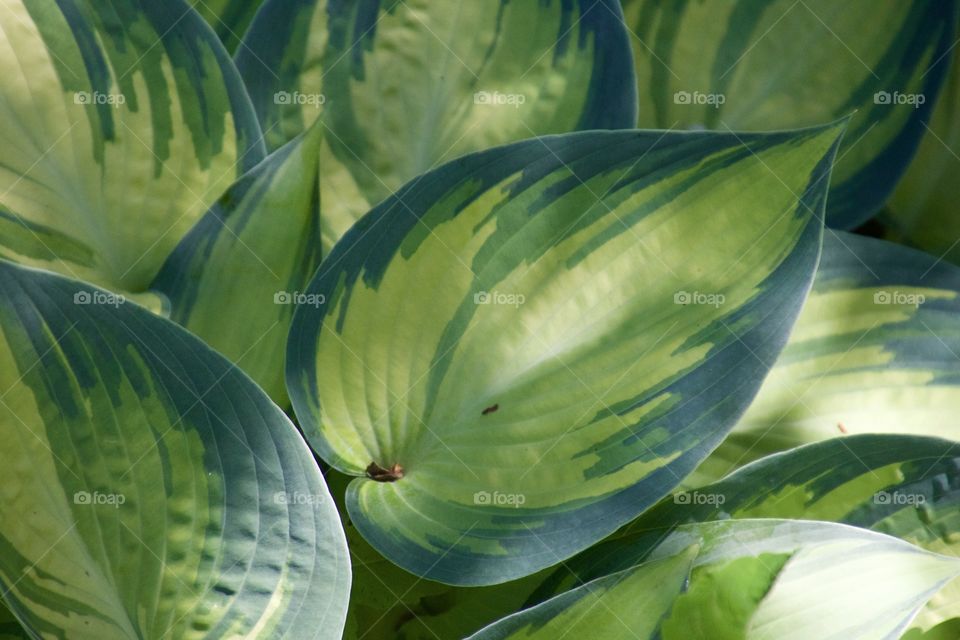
(478, 319)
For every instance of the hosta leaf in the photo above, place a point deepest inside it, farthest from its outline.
(149, 488)
(471, 75)
(629, 605)
(387, 602)
(120, 124)
(251, 257)
(532, 336)
(772, 64)
(923, 210)
(875, 350)
(751, 580)
(229, 18)
(905, 486)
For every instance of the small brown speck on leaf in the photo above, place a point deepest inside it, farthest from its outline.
(490, 409)
(378, 473)
(842, 428)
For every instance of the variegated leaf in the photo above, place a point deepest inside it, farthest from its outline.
(904, 486)
(923, 211)
(876, 350)
(149, 489)
(626, 605)
(229, 18)
(750, 580)
(120, 124)
(770, 64)
(401, 89)
(387, 602)
(516, 346)
(235, 279)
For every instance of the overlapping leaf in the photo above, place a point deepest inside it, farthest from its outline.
(630, 604)
(404, 86)
(905, 486)
(229, 18)
(876, 349)
(235, 279)
(923, 211)
(120, 124)
(772, 64)
(752, 580)
(387, 602)
(164, 184)
(149, 488)
(519, 335)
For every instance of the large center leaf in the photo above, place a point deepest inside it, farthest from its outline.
(120, 124)
(148, 488)
(538, 341)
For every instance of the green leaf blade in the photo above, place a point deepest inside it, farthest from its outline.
(527, 69)
(637, 598)
(756, 66)
(873, 351)
(903, 486)
(229, 18)
(756, 580)
(524, 427)
(250, 258)
(123, 123)
(922, 210)
(133, 444)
